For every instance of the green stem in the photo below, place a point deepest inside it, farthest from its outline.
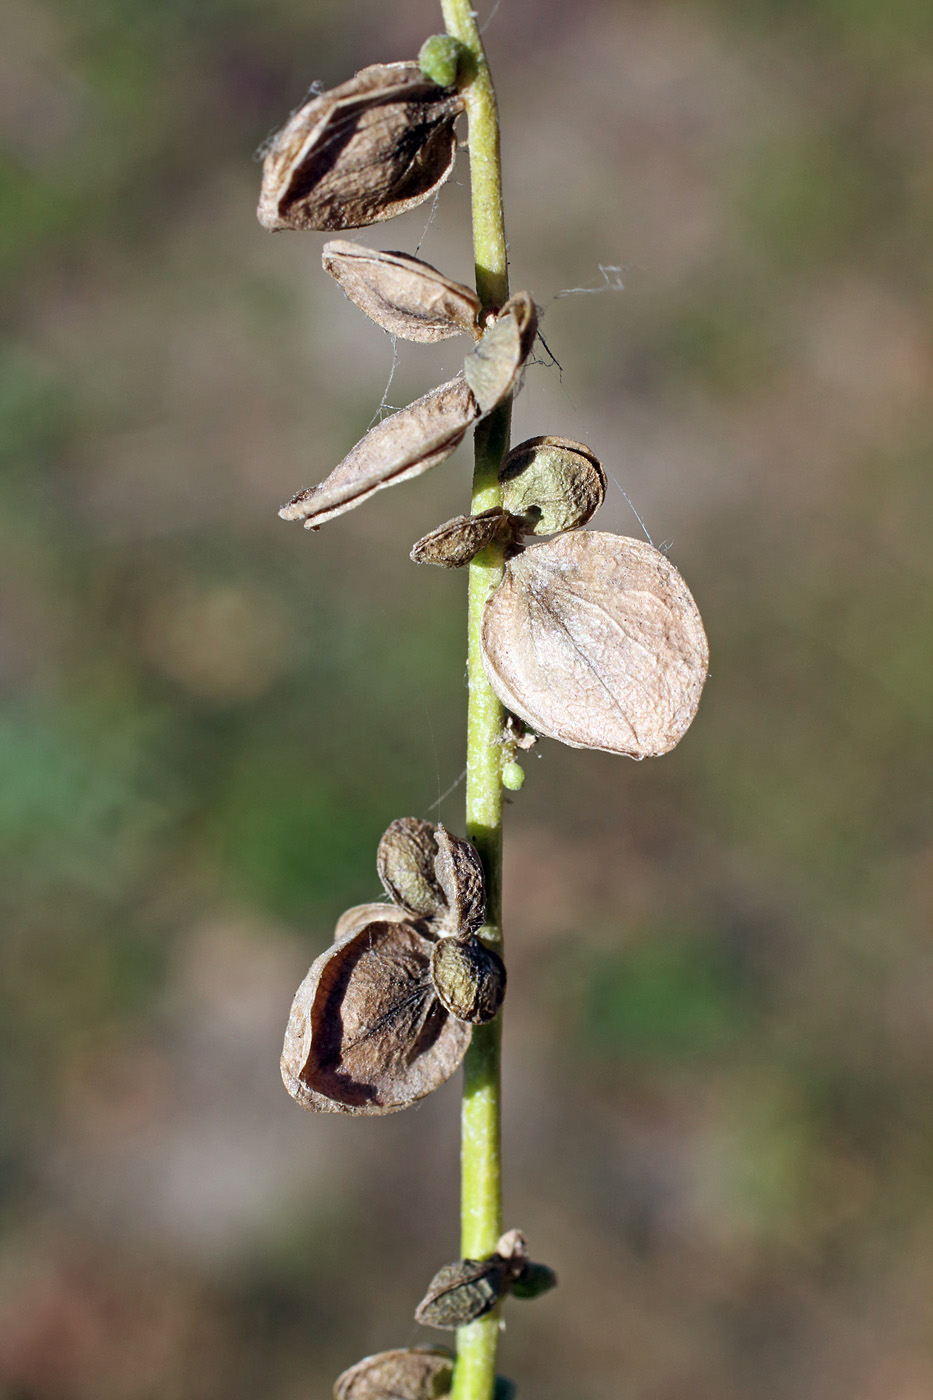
(481, 1200)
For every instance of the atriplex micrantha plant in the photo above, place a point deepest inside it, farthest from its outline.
(589, 638)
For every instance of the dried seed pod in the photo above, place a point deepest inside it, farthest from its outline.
(455, 543)
(401, 447)
(366, 1032)
(362, 152)
(469, 978)
(552, 484)
(413, 1373)
(460, 1293)
(402, 294)
(405, 865)
(493, 368)
(459, 872)
(595, 640)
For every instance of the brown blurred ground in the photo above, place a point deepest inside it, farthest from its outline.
(720, 1022)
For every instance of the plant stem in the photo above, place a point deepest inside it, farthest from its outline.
(481, 1199)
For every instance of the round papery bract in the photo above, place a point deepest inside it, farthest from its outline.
(366, 1032)
(411, 1373)
(595, 640)
(552, 484)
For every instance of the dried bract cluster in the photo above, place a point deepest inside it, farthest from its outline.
(595, 640)
(362, 152)
(383, 1016)
(469, 1288)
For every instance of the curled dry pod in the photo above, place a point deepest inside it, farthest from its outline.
(401, 447)
(552, 484)
(460, 1293)
(366, 1032)
(455, 543)
(402, 294)
(362, 152)
(492, 369)
(405, 865)
(469, 979)
(459, 872)
(414, 1373)
(595, 640)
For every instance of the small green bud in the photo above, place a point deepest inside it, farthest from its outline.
(513, 776)
(439, 59)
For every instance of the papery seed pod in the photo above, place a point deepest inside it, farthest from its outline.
(492, 370)
(459, 872)
(366, 1032)
(469, 978)
(365, 151)
(399, 448)
(405, 865)
(455, 543)
(412, 1373)
(402, 294)
(595, 640)
(460, 1293)
(552, 484)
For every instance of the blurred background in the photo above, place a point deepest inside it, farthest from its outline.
(719, 1032)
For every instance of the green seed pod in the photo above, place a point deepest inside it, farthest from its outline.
(405, 865)
(460, 1293)
(469, 979)
(439, 58)
(552, 484)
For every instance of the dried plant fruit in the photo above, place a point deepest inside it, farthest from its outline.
(459, 871)
(405, 865)
(412, 1373)
(460, 1293)
(401, 447)
(595, 640)
(533, 1280)
(365, 151)
(455, 543)
(366, 1032)
(469, 978)
(402, 294)
(552, 484)
(492, 369)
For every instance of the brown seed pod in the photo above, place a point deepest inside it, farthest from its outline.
(492, 369)
(405, 865)
(469, 979)
(460, 1293)
(459, 871)
(366, 1032)
(402, 294)
(413, 1373)
(365, 151)
(595, 640)
(455, 543)
(401, 447)
(552, 484)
